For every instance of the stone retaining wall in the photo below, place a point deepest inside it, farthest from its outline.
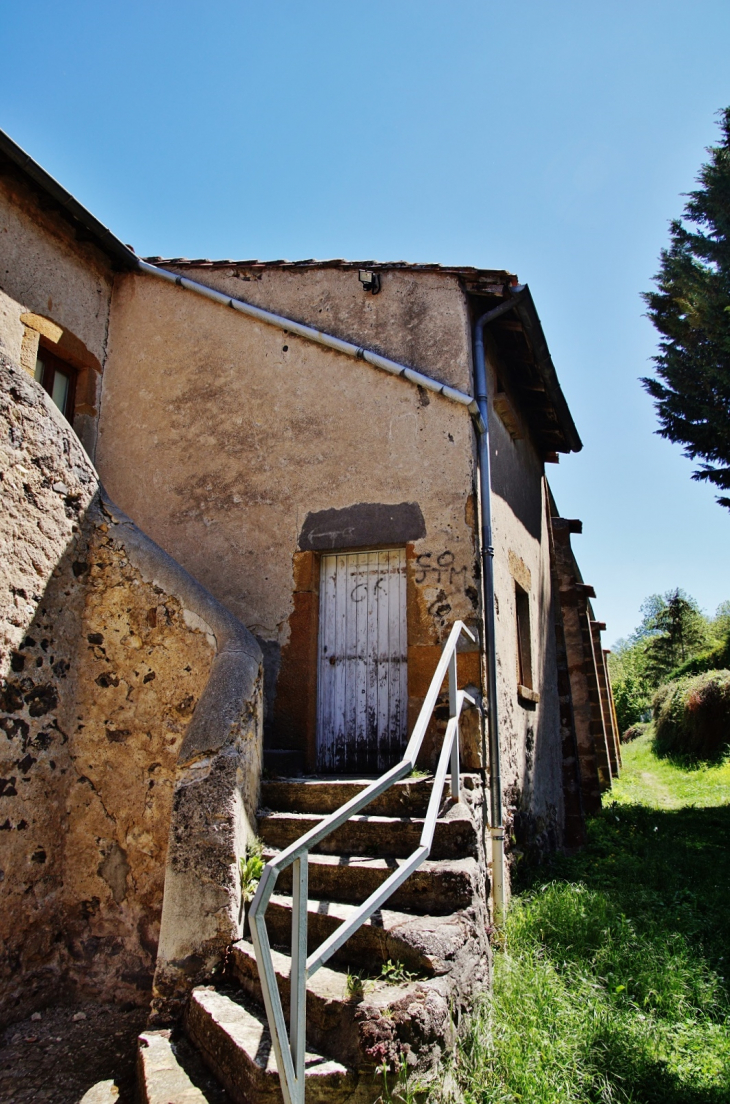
(129, 716)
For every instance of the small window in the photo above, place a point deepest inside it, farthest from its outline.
(524, 645)
(58, 379)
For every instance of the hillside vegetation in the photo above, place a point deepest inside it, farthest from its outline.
(674, 640)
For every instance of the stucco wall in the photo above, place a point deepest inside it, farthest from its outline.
(530, 742)
(220, 435)
(46, 271)
(240, 431)
(418, 318)
(102, 669)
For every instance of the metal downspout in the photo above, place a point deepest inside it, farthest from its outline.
(487, 555)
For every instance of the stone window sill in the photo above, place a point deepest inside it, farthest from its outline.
(526, 694)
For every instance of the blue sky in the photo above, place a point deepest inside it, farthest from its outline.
(554, 140)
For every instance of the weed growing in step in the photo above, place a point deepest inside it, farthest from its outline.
(355, 983)
(395, 973)
(611, 986)
(252, 866)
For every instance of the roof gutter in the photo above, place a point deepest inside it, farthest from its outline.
(348, 348)
(128, 259)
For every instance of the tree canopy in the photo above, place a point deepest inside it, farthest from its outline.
(691, 310)
(679, 631)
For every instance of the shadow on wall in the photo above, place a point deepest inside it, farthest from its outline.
(522, 495)
(130, 727)
(535, 823)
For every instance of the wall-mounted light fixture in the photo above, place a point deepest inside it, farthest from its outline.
(370, 281)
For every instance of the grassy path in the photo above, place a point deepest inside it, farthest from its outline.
(646, 780)
(612, 985)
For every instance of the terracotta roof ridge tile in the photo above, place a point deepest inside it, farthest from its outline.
(499, 275)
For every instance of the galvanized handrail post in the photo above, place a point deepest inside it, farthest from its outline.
(298, 977)
(291, 1051)
(454, 714)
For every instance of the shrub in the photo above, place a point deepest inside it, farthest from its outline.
(661, 696)
(633, 732)
(692, 716)
(630, 698)
(252, 867)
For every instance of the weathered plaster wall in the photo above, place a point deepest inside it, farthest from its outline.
(11, 328)
(47, 272)
(220, 435)
(530, 741)
(242, 431)
(418, 318)
(104, 662)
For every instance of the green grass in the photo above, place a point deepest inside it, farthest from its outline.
(662, 784)
(611, 985)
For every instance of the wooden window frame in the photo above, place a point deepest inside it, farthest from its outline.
(523, 627)
(54, 362)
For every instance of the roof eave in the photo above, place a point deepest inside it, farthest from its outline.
(99, 234)
(527, 313)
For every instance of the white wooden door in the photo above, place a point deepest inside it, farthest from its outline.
(362, 690)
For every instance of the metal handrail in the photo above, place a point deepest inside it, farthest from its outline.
(290, 1049)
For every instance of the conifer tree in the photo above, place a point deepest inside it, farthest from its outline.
(691, 311)
(679, 630)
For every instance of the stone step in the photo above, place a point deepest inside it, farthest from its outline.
(311, 794)
(434, 889)
(235, 1044)
(325, 795)
(359, 1024)
(330, 1004)
(380, 836)
(424, 945)
(161, 1078)
(103, 1092)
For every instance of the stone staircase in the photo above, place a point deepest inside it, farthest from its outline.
(390, 995)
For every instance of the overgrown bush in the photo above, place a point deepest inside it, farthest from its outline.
(661, 696)
(633, 733)
(692, 716)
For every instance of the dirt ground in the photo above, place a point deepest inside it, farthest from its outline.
(55, 1059)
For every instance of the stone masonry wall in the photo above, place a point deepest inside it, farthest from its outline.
(102, 671)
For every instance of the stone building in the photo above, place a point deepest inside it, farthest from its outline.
(297, 446)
